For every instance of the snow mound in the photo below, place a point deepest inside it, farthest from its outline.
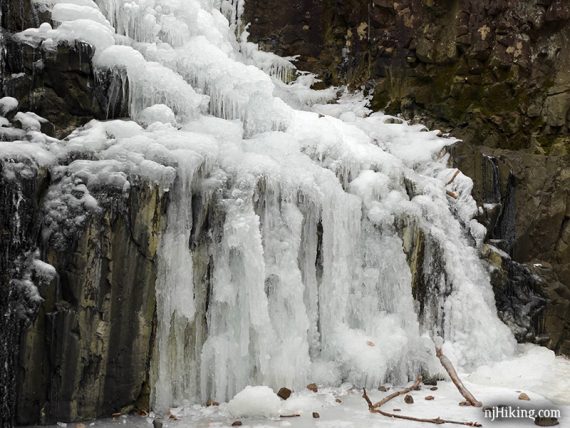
(255, 401)
(157, 113)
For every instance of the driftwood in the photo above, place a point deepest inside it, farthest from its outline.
(470, 398)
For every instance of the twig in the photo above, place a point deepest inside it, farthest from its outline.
(452, 194)
(453, 178)
(446, 363)
(290, 416)
(375, 408)
(415, 386)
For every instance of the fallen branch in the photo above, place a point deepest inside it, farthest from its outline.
(415, 386)
(453, 178)
(446, 363)
(375, 408)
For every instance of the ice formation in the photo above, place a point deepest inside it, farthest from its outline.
(291, 221)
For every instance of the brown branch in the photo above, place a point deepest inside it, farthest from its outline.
(453, 178)
(452, 194)
(446, 363)
(415, 386)
(375, 408)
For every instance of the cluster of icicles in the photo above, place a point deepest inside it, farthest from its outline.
(291, 222)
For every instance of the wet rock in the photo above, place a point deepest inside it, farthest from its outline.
(316, 415)
(212, 403)
(383, 388)
(523, 396)
(430, 381)
(408, 399)
(237, 424)
(433, 388)
(313, 387)
(157, 423)
(430, 397)
(546, 422)
(284, 393)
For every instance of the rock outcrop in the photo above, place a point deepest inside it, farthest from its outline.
(87, 354)
(494, 73)
(58, 83)
(77, 288)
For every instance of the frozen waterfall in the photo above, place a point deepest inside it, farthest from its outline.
(294, 225)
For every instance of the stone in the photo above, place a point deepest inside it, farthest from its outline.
(313, 387)
(546, 422)
(429, 397)
(237, 424)
(284, 393)
(523, 396)
(157, 423)
(408, 399)
(316, 415)
(383, 388)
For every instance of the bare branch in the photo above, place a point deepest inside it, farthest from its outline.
(415, 386)
(446, 363)
(375, 408)
(453, 178)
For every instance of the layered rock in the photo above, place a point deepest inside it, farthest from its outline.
(87, 354)
(77, 285)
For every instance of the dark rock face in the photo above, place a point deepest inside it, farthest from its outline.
(87, 354)
(76, 344)
(494, 73)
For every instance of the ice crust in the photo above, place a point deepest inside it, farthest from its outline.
(312, 207)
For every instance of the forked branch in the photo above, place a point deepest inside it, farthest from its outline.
(375, 408)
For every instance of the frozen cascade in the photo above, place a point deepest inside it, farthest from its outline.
(286, 255)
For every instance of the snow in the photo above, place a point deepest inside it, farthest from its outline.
(62, 12)
(308, 210)
(255, 401)
(100, 36)
(157, 113)
(7, 105)
(29, 121)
